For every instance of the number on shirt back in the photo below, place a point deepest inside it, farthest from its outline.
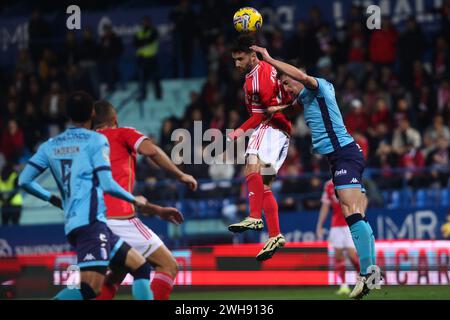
(66, 170)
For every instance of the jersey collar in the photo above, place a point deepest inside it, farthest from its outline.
(253, 70)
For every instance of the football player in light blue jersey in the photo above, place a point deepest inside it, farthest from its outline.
(78, 159)
(330, 138)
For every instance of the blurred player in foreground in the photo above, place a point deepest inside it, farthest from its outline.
(78, 159)
(340, 238)
(330, 138)
(125, 143)
(268, 144)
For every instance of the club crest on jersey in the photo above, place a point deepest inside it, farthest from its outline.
(255, 97)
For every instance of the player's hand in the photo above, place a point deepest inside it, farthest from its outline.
(273, 109)
(141, 203)
(319, 233)
(56, 201)
(263, 51)
(171, 214)
(189, 181)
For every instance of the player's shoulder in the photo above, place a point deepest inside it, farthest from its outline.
(329, 185)
(98, 138)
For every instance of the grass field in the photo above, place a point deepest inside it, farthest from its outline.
(313, 293)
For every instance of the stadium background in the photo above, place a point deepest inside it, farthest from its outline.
(392, 84)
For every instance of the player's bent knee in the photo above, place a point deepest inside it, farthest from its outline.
(119, 259)
(143, 272)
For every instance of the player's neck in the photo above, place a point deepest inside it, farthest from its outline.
(253, 65)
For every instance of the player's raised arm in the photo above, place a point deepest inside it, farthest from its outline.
(149, 149)
(290, 70)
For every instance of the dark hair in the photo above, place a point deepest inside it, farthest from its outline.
(79, 106)
(243, 43)
(104, 113)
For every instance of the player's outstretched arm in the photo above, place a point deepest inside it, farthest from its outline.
(165, 213)
(290, 70)
(27, 183)
(149, 149)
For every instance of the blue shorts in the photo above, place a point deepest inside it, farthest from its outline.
(347, 167)
(95, 244)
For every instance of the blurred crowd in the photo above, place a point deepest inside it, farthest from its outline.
(392, 84)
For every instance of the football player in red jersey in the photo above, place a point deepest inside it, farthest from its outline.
(339, 238)
(268, 144)
(125, 143)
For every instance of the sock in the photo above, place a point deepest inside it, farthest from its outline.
(141, 289)
(255, 188)
(108, 292)
(69, 294)
(340, 268)
(270, 206)
(361, 238)
(141, 284)
(373, 252)
(162, 285)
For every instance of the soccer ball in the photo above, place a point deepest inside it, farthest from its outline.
(247, 19)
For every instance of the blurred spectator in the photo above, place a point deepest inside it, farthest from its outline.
(441, 58)
(405, 137)
(383, 43)
(184, 32)
(12, 142)
(411, 46)
(24, 62)
(88, 54)
(10, 196)
(53, 109)
(31, 124)
(304, 46)
(443, 95)
(356, 119)
(110, 51)
(438, 129)
(70, 52)
(445, 228)
(146, 41)
(356, 47)
(39, 33)
(439, 162)
(412, 159)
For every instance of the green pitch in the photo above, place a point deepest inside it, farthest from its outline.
(313, 293)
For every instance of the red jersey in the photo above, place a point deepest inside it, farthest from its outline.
(262, 89)
(124, 143)
(328, 196)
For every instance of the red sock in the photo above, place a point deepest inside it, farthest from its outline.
(339, 265)
(108, 292)
(162, 285)
(355, 263)
(271, 211)
(255, 188)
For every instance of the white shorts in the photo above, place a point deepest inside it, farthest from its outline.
(271, 145)
(136, 234)
(341, 238)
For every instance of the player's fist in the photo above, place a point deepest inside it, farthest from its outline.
(140, 202)
(56, 201)
(189, 181)
(263, 51)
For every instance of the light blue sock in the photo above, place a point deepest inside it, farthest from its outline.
(362, 240)
(69, 294)
(373, 252)
(141, 289)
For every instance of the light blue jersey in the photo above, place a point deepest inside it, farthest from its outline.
(79, 162)
(323, 117)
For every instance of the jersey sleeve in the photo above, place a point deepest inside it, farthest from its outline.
(132, 138)
(100, 153)
(39, 160)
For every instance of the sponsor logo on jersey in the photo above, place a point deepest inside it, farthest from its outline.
(341, 172)
(354, 180)
(89, 257)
